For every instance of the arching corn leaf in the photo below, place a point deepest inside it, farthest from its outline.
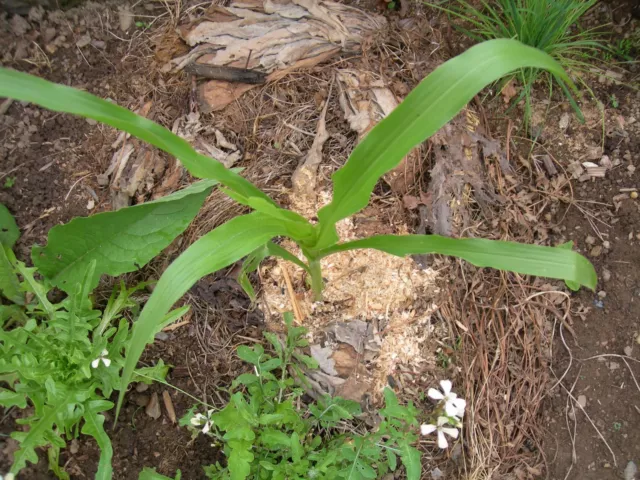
(217, 249)
(553, 262)
(60, 98)
(435, 101)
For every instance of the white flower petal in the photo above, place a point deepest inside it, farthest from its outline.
(95, 363)
(206, 428)
(442, 442)
(104, 353)
(450, 409)
(446, 386)
(427, 429)
(442, 421)
(435, 394)
(452, 432)
(195, 421)
(106, 362)
(460, 404)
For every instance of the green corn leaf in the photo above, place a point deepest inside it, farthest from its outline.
(410, 457)
(60, 98)
(435, 101)
(9, 282)
(35, 437)
(217, 249)
(9, 232)
(253, 261)
(119, 242)
(94, 426)
(536, 260)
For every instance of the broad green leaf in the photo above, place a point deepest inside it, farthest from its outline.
(249, 355)
(410, 457)
(94, 426)
(9, 282)
(552, 262)
(119, 242)
(60, 98)
(217, 249)
(274, 439)
(239, 461)
(435, 101)
(9, 232)
(9, 398)
(297, 450)
(392, 460)
(35, 437)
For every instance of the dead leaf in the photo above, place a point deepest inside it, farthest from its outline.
(410, 202)
(168, 405)
(508, 91)
(322, 355)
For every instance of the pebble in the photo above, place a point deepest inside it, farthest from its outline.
(142, 387)
(74, 447)
(638, 339)
(606, 275)
(590, 240)
(564, 121)
(153, 407)
(630, 471)
(596, 251)
(83, 41)
(142, 400)
(582, 400)
(602, 294)
(634, 194)
(614, 365)
(162, 336)
(49, 34)
(628, 351)
(606, 244)
(91, 121)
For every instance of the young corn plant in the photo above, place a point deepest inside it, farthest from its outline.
(548, 25)
(435, 101)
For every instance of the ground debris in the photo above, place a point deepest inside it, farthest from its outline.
(459, 150)
(153, 407)
(271, 37)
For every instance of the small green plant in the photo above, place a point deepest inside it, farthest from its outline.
(614, 100)
(437, 99)
(9, 182)
(62, 359)
(548, 25)
(266, 433)
(141, 24)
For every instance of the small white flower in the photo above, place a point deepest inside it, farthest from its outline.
(8, 476)
(441, 429)
(204, 421)
(103, 358)
(453, 406)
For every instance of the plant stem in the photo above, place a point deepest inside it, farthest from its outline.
(316, 279)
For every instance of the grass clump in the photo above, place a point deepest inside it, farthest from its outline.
(548, 25)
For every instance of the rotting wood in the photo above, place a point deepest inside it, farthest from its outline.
(228, 74)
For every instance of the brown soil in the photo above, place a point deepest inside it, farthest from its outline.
(608, 327)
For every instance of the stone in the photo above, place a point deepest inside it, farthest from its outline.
(83, 41)
(582, 400)
(596, 251)
(153, 407)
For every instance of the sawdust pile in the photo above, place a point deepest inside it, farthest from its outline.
(394, 295)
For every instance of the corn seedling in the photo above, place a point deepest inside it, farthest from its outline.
(435, 101)
(548, 25)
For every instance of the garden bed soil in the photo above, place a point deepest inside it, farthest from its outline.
(49, 165)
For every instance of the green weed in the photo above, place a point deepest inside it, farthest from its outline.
(266, 433)
(9, 182)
